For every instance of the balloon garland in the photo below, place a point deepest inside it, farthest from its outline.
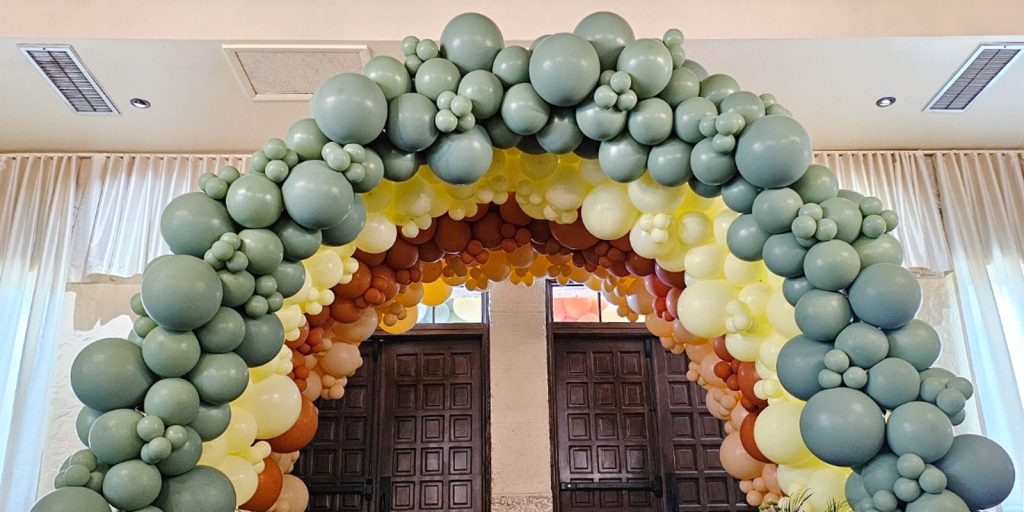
(591, 156)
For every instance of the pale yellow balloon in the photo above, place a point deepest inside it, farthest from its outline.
(768, 352)
(694, 228)
(702, 307)
(380, 197)
(564, 190)
(275, 403)
(742, 273)
(537, 167)
(241, 432)
(743, 346)
(706, 261)
(324, 269)
(673, 258)
(755, 296)
(468, 309)
(782, 315)
(649, 196)
(590, 171)
(214, 451)
(643, 243)
(434, 294)
(607, 212)
(721, 226)
(378, 234)
(794, 478)
(777, 433)
(242, 475)
(827, 484)
(694, 202)
(403, 325)
(413, 198)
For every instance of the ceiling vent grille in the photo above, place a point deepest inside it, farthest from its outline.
(63, 70)
(982, 69)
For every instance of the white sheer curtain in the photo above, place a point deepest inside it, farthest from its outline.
(37, 201)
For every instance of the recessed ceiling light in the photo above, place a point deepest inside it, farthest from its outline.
(139, 103)
(885, 101)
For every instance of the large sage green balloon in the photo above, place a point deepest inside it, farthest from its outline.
(411, 122)
(711, 167)
(884, 249)
(893, 382)
(348, 229)
(793, 288)
(746, 239)
(846, 215)
(398, 165)
(170, 353)
(435, 76)
(649, 64)
(717, 87)
(461, 158)
(919, 428)
(220, 378)
(184, 458)
(110, 374)
(798, 365)
(263, 249)
(623, 159)
(817, 184)
(290, 276)
(211, 421)
(744, 103)
(254, 201)
(298, 242)
(879, 473)
(390, 75)
(608, 32)
(600, 123)
(238, 287)
(783, 255)
(131, 485)
(561, 134)
(221, 334)
(71, 499)
(682, 85)
(688, 116)
(564, 69)
(305, 138)
(202, 488)
(349, 108)
(821, 315)
(917, 343)
(262, 341)
(842, 427)
(471, 41)
(978, 470)
(943, 502)
(775, 209)
(112, 437)
(650, 122)
(831, 265)
(773, 152)
(739, 195)
(83, 422)
(865, 344)
(316, 196)
(885, 295)
(484, 89)
(173, 400)
(696, 68)
(512, 65)
(501, 136)
(192, 222)
(668, 163)
(523, 110)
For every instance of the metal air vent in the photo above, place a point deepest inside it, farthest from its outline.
(63, 70)
(982, 69)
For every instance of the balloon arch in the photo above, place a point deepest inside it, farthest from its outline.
(592, 156)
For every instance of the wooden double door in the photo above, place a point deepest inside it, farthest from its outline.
(630, 432)
(409, 432)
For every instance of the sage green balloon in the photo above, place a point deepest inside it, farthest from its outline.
(744, 103)
(523, 110)
(254, 201)
(435, 76)
(798, 365)
(831, 265)
(348, 229)
(192, 222)
(131, 485)
(865, 344)
(484, 89)
(170, 353)
(893, 382)
(919, 428)
(390, 75)
(623, 159)
(290, 275)
(305, 138)
(202, 488)
(696, 68)
(783, 255)
(221, 334)
(773, 152)
(746, 239)
(885, 295)
(880, 473)
(943, 502)
(298, 242)
(846, 215)
(704, 190)
(688, 115)
(851, 195)
(564, 69)
(668, 163)
(739, 195)
(398, 165)
(717, 87)
(917, 343)
(316, 196)
(471, 41)
(263, 249)
(978, 470)
(600, 123)
(373, 173)
(112, 437)
(173, 400)
(238, 287)
(461, 158)
(350, 108)
(262, 341)
(71, 499)
(562, 134)
(211, 421)
(710, 166)
(184, 458)
(794, 287)
(855, 492)
(530, 146)
(649, 64)
(650, 122)
(682, 85)
(110, 374)
(822, 315)
(775, 209)
(842, 427)
(501, 136)
(884, 249)
(608, 33)
(83, 422)
(817, 184)
(411, 122)
(220, 378)
(512, 65)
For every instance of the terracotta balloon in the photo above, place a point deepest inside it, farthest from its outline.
(371, 259)
(401, 255)
(737, 461)
(268, 488)
(673, 279)
(672, 300)
(345, 311)
(720, 350)
(452, 236)
(356, 331)
(656, 286)
(747, 438)
(513, 213)
(574, 236)
(424, 235)
(747, 376)
(357, 286)
(302, 431)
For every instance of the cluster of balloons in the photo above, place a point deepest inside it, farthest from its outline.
(590, 156)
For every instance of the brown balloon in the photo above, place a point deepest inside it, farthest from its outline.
(672, 300)
(574, 236)
(402, 255)
(452, 236)
(638, 265)
(673, 279)
(720, 349)
(371, 259)
(488, 230)
(747, 376)
(747, 438)
(511, 212)
(656, 286)
(425, 235)
(430, 252)
(268, 488)
(345, 311)
(355, 288)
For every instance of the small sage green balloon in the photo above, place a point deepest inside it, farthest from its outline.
(865, 344)
(471, 41)
(173, 400)
(668, 163)
(564, 69)
(219, 378)
(885, 295)
(435, 76)
(650, 122)
(192, 222)
(600, 123)
(682, 86)
(562, 134)
(746, 239)
(221, 334)
(501, 136)
(623, 159)
(649, 64)
(238, 287)
(171, 353)
(739, 195)
(390, 75)
(608, 32)
(71, 499)
(290, 275)
(917, 343)
(131, 485)
(484, 89)
(202, 488)
(817, 184)
(944, 501)
(794, 287)
(773, 152)
(399, 165)
(884, 249)
(411, 122)
(263, 339)
(374, 167)
(83, 422)
(349, 228)
(110, 374)
(893, 382)
(263, 249)
(512, 65)
(783, 255)
(211, 421)
(855, 492)
(744, 103)
(112, 437)
(523, 110)
(842, 427)
(798, 365)
(775, 209)
(831, 265)
(461, 158)
(688, 115)
(254, 201)
(847, 216)
(348, 108)
(821, 315)
(717, 87)
(710, 166)
(920, 428)
(978, 470)
(316, 196)
(880, 473)
(305, 138)
(184, 458)
(299, 242)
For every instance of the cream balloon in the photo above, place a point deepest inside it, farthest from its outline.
(649, 196)
(706, 261)
(742, 273)
(694, 228)
(324, 269)
(380, 197)
(607, 212)
(378, 234)
(768, 351)
(673, 258)
(241, 431)
(274, 402)
(777, 433)
(702, 307)
(243, 477)
(827, 484)
(794, 478)
(721, 226)
(214, 451)
(743, 346)
(782, 315)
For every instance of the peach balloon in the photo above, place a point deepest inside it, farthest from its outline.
(737, 461)
(341, 360)
(356, 331)
(659, 327)
(294, 495)
(313, 386)
(771, 478)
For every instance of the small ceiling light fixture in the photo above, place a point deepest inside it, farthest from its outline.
(885, 101)
(140, 103)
